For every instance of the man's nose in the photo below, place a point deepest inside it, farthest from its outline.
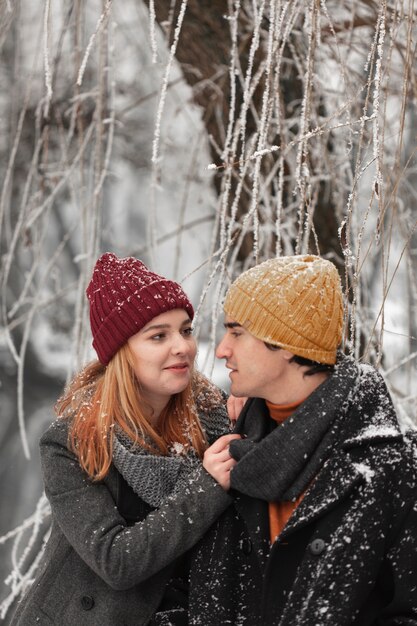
(223, 350)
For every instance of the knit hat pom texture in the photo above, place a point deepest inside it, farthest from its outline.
(292, 302)
(124, 296)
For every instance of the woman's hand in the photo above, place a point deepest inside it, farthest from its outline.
(234, 407)
(218, 462)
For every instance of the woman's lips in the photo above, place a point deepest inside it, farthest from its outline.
(178, 367)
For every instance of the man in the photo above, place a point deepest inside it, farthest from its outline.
(323, 525)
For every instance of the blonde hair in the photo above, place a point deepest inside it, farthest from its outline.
(101, 396)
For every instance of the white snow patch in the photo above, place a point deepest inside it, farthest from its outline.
(378, 431)
(365, 470)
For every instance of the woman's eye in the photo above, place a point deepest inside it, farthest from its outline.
(187, 332)
(158, 337)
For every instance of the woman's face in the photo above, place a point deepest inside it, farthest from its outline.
(163, 352)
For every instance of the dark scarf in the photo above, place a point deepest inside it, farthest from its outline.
(280, 465)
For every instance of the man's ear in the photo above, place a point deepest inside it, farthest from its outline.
(286, 354)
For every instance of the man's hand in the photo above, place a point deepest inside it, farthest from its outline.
(218, 462)
(234, 407)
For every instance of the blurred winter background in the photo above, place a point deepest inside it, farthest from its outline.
(202, 137)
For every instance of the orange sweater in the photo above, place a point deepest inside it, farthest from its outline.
(280, 512)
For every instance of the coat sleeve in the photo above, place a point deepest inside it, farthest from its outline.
(123, 556)
(211, 404)
(402, 562)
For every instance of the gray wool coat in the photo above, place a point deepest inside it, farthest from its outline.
(100, 566)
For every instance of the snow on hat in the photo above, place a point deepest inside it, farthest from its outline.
(124, 296)
(293, 302)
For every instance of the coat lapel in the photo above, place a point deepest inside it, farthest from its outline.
(339, 477)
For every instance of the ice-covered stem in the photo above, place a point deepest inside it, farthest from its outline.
(101, 21)
(233, 21)
(264, 125)
(164, 88)
(152, 34)
(302, 172)
(247, 86)
(151, 226)
(48, 77)
(18, 579)
(380, 37)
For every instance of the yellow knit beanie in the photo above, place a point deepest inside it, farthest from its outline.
(294, 302)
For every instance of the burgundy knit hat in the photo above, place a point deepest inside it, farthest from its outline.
(124, 296)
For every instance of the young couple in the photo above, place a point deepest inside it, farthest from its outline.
(305, 514)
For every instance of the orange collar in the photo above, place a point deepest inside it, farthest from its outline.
(280, 412)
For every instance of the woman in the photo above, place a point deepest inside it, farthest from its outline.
(121, 464)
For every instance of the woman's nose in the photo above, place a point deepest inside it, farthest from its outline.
(183, 345)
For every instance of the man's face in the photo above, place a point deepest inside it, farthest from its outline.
(256, 371)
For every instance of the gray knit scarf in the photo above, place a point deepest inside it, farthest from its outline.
(153, 477)
(280, 465)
